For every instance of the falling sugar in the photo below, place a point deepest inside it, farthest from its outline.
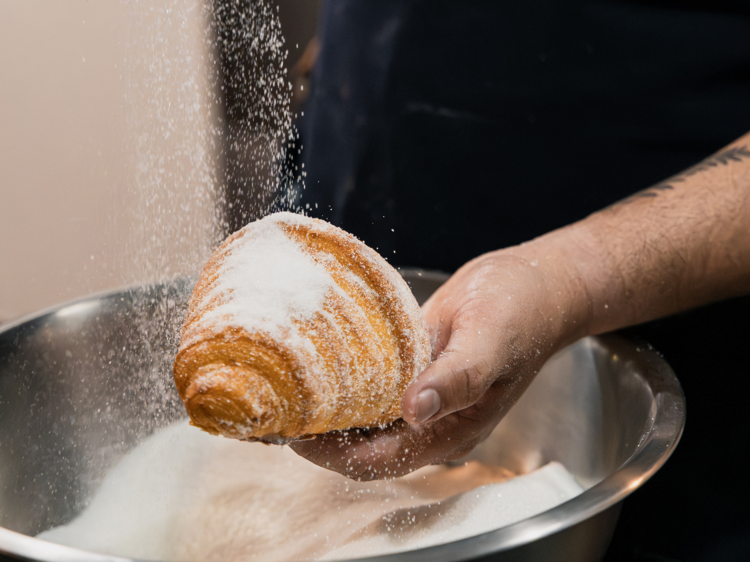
(184, 134)
(258, 133)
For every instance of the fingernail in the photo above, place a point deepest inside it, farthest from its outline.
(428, 404)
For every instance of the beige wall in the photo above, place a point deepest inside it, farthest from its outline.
(106, 158)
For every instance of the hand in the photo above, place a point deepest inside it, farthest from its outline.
(680, 244)
(494, 324)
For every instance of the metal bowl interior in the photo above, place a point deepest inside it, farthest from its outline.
(84, 383)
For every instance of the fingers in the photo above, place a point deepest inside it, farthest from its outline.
(488, 322)
(460, 375)
(400, 448)
(367, 454)
(438, 319)
(490, 325)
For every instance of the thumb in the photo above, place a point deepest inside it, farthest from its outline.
(456, 379)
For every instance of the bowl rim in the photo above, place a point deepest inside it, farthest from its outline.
(656, 446)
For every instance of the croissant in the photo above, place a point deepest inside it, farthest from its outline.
(295, 328)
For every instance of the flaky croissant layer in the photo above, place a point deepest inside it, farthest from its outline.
(295, 328)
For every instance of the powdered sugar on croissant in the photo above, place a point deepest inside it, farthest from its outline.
(295, 328)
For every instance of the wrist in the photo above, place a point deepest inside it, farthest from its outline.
(558, 257)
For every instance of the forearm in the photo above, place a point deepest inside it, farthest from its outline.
(682, 243)
(494, 323)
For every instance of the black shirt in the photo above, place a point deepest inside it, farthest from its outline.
(440, 130)
(473, 125)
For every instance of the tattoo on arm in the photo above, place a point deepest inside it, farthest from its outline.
(736, 154)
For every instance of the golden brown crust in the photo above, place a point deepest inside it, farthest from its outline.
(346, 365)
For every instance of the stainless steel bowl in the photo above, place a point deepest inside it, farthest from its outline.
(83, 383)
